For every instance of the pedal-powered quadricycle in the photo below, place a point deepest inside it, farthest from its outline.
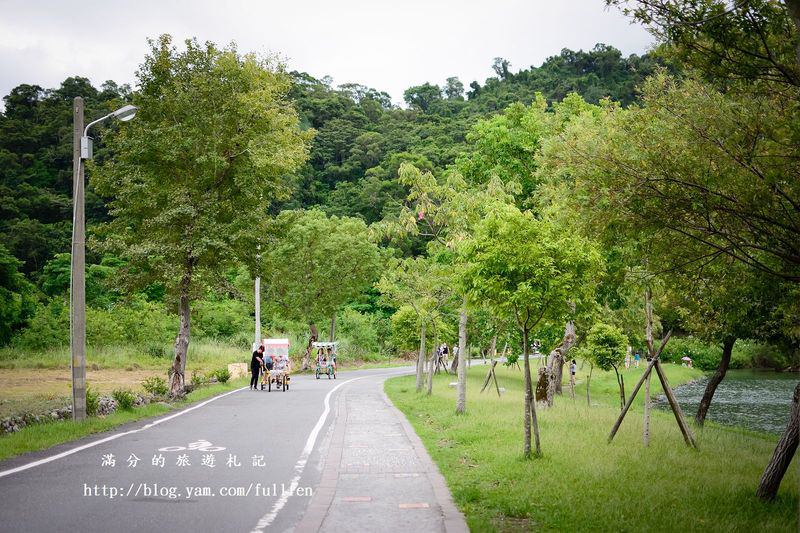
(326, 359)
(276, 366)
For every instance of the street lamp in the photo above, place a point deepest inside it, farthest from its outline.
(82, 150)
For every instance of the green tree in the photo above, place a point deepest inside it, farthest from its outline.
(17, 297)
(605, 347)
(315, 264)
(528, 271)
(192, 175)
(424, 285)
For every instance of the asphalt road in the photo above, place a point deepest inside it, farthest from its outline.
(237, 462)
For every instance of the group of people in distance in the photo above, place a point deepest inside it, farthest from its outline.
(262, 361)
(323, 357)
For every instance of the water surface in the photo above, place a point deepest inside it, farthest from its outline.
(758, 400)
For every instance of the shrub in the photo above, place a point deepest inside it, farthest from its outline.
(157, 351)
(155, 386)
(221, 318)
(197, 379)
(125, 398)
(704, 356)
(361, 332)
(48, 327)
(92, 401)
(753, 354)
(222, 375)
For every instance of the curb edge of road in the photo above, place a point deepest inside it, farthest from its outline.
(454, 521)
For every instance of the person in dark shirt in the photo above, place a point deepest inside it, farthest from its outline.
(255, 366)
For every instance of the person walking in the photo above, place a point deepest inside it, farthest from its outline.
(573, 368)
(255, 366)
(636, 359)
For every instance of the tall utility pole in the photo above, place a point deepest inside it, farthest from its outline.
(78, 271)
(81, 150)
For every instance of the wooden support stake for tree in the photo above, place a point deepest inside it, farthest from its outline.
(488, 377)
(676, 408)
(491, 376)
(638, 386)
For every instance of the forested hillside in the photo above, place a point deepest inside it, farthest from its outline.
(360, 141)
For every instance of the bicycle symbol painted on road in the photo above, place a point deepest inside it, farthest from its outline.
(201, 445)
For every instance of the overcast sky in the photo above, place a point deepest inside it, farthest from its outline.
(387, 45)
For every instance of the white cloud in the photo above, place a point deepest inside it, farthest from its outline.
(386, 45)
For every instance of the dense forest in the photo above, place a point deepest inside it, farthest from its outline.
(360, 141)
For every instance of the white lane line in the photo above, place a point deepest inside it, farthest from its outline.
(77, 449)
(300, 465)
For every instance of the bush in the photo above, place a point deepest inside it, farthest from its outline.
(197, 379)
(222, 319)
(125, 398)
(361, 333)
(48, 328)
(92, 401)
(157, 351)
(704, 356)
(222, 375)
(753, 354)
(155, 386)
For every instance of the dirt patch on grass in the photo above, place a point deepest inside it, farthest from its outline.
(32, 390)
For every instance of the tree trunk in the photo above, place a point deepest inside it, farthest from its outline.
(550, 377)
(716, 379)
(421, 356)
(333, 329)
(530, 404)
(588, 383)
(431, 372)
(559, 375)
(311, 339)
(432, 361)
(621, 388)
(783, 454)
(461, 399)
(454, 364)
(526, 449)
(493, 349)
(648, 337)
(177, 382)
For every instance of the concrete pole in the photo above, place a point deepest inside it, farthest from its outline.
(78, 272)
(258, 313)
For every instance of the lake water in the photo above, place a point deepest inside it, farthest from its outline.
(758, 400)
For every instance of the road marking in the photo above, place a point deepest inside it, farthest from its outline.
(357, 499)
(268, 518)
(77, 449)
(414, 506)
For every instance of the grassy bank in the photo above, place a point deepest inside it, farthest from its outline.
(41, 436)
(582, 483)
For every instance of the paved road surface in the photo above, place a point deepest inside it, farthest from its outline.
(329, 454)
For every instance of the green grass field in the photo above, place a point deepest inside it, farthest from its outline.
(582, 483)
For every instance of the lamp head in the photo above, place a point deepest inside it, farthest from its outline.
(125, 113)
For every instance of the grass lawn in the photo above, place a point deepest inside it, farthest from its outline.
(41, 436)
(582, 483)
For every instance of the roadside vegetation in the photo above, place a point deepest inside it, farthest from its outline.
(45, 435)
(581, 483)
